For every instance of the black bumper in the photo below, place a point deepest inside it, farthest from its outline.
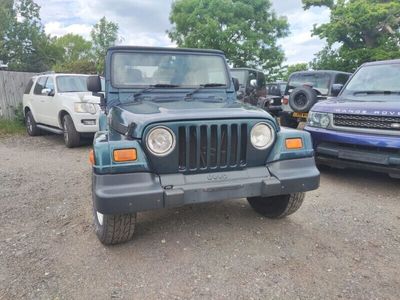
(367, 159)
(134, 192)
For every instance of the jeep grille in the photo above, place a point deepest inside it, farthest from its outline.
(361, 121)
(208, 147)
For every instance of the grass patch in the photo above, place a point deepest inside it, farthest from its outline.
(11, 127)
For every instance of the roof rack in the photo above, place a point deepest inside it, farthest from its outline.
(47, 72)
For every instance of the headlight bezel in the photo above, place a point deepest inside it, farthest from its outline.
(172, 146)
(85, 107)
(314, 119)
(272, 135)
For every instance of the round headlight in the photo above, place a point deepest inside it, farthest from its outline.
(262, 136)
(160, 141)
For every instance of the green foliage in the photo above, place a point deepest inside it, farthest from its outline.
(77, 55)
(104, 35)
(358, 31)
(246, 30)
(11, 127)
(24, 44)
(19, 114)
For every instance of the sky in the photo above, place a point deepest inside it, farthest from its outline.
(144, 22)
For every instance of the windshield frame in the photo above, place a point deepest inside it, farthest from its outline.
(228, 85)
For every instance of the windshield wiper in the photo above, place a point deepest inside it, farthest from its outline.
(189, 95)
(376, 92)
(154, 86)
(133, 98)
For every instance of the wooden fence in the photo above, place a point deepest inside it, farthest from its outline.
(12, 86)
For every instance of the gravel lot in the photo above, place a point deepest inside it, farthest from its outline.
(343, 243)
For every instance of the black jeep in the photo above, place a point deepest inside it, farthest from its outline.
(275, 92)
(304, 89)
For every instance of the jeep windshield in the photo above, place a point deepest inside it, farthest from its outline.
(375, 83)
(319, 81)
(73, 84)
(168, 70)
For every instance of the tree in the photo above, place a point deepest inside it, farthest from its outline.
(246, 30)
(104, 35)
(24, 44)
(358, 31)
(77, 55)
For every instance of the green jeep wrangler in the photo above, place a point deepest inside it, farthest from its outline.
(173, 133)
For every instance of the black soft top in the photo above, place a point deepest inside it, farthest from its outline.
(163, 49)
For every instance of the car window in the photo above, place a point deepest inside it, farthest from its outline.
(319, 81)
(185, 70)
(376, 78)
(71, 84)
(273, 90)
(240, 75)
(40, 83)
(29, 86)
(341, 78)
(50, 84)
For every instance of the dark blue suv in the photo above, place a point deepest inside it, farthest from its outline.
(361, 127)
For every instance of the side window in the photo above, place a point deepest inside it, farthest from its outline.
(29, 87)
(341, 78)
(50, 83)
(40, 83)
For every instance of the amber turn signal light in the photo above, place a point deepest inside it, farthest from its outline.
(296, 143)
(91, 157)
(123, 155)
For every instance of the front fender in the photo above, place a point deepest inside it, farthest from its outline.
(104, 163)
(280, 152)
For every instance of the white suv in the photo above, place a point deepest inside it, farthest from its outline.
(61, 103)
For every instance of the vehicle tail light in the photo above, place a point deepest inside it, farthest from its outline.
(285, 100)
(91, 157)
(294, 143)
(123, 155)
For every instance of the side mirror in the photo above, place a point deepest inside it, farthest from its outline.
(94, 85)
(47, 92)
(236, 84)
(253, 83)
(336, 88)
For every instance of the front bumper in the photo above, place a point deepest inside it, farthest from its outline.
(356, 150)
(134, 192)
(82, 122)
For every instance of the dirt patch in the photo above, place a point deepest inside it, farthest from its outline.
(343, 243)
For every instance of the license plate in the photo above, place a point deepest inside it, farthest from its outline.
(300, 115)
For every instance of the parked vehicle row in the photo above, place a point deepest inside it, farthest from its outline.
(169, 130)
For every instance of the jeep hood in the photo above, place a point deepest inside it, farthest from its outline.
(145, 113)
(349, 106)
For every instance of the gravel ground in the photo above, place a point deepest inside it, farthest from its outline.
(344, 242)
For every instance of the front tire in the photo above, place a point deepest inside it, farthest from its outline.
(114, 229)
(31, 126)
(277, 207)
(72, 137)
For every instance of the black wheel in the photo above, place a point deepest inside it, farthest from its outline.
(30, 124)
(114, 229)
(72, 137)
(302, 99)
(287, 121)
(276, 207)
